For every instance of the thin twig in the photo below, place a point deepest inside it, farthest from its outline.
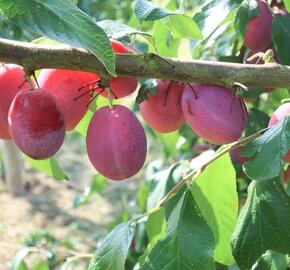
(193, 175)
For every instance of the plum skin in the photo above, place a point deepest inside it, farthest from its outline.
(11, 77)
(36, 123)
(258, 35)
(116, 142)
(277, 116)
(163, 112)
(120, 86)
(286, 175)
(63, 84)
(210, 115)
(236, 156)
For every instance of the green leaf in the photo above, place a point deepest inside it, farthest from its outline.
(182, 26)
(272, 260)
(246, 12)
(162, 183)
(149, 86)
(83, 125)
(97, 185)
(257, 120)
(189, 242)
(169, 141)
(204, 12)
(112, 253)
(281, 37)
(221, 35)
(155, 229)
(48, 166)
(215, 192)
(40, 265)
(156, 225)
(263, 223)
(268, 149)
(275, 98)
(117, 30)
(46, 41)
(18, 261)
(287, 4)
(147, 11)
(164, 43)
(142, 194)
(62, 21)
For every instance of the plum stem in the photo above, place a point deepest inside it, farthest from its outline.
(84, 94)
(95, 82)
(111, 106)
(236, 87)
(21, 85)
(28, 74)
(193, 90)
(167, 92)
(94, 97)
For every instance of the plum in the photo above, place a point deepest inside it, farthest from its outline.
(199, 149)
(214, 112)
(12, 78)
(237, 157)
(286, 175)
(258, 35)
(277, 116)
(63, 84)
(36, 123)
(120, 86)
(163, 112)
(116, 142)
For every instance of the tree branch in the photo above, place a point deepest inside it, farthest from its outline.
(34, 56)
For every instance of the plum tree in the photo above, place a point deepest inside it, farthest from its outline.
(277, 116)
(64, 85)
(214, 113)
(258, 34)
(11, 82)
(116, 142)
(163, 112)
(205, 201)
(36, 123)
(121, 86)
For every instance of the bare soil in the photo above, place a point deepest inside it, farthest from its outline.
(47, 204)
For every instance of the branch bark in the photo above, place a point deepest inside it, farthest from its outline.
(33, 57)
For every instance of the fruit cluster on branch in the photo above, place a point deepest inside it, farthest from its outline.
(36, 118)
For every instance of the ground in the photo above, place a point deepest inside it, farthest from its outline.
(47, 204)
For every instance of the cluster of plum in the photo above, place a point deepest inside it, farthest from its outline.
(258, 38)
(37, 116)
